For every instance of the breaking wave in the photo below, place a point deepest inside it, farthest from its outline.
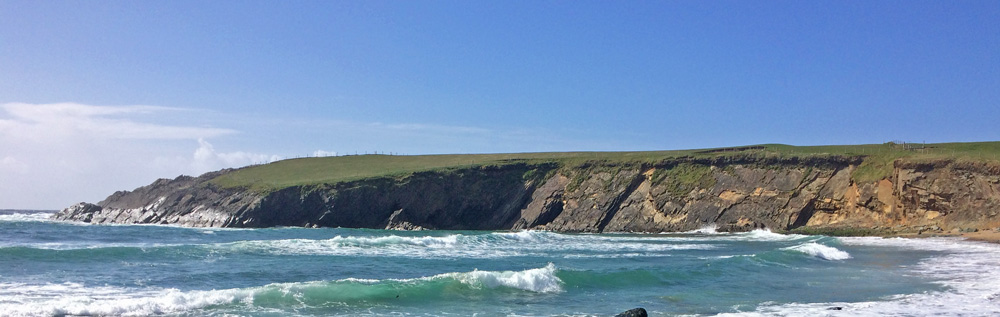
(709, 233)
(492, 245)
(17, 216)
(709, 229)
(77, 299)
(471, 246)
(767, 235)
(821, 251)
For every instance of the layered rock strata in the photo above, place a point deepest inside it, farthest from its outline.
(676, 195)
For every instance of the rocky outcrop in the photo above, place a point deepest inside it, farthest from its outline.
(186, 201)
(685, 196)
(635, 312)
(919, 196)
(673, 195)
(481, 198)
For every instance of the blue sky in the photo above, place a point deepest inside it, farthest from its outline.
(115, 94)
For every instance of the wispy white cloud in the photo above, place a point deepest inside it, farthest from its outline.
(56, 111)
(321, 153)
(417, 127)
(98, 121)
(206, 158)
(52, 155)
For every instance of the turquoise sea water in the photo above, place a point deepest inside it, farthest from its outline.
(55, 268)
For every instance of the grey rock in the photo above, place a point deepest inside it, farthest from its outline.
(635, 312)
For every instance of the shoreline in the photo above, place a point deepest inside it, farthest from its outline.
(987, 236)
(980, 236)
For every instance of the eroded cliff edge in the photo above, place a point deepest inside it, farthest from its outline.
(672, 195)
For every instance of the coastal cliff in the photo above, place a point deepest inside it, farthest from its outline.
(730, 192)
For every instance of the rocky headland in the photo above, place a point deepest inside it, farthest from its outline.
(733, 192)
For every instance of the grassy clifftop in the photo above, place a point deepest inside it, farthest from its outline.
(346, 168)
(876, 164)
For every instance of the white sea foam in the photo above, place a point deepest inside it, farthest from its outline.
(494, 245)
(426, 241)
(452, 246)
(75, 299)
(544, 241)
(754, 235)
(540, 280)
(614, 255)
(821, 251)
(18, 299)
(709, 229)
(719, 257)
(969, 270)
(26, 217)
(525, 235)
(767, 235)
(82, 245)
(341, 242)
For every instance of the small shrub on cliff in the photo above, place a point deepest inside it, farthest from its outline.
(876, 167)
(684, 177)
(529, 174)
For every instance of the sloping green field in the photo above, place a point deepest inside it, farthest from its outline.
(878, 158)
(345, 168)
(877, 162)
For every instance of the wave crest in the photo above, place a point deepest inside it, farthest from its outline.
(26, 216)
(76, 299)
(708, 229)
(425, 241)
(821, 251)
(767, 235)
(540, 280)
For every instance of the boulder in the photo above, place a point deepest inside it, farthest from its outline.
(635, 312)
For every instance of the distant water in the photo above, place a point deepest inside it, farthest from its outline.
(55, 268)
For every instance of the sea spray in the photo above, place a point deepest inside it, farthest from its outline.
(532, 236)
(821, 251)
(708, 229)
(15, 216)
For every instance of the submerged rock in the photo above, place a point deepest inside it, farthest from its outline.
(635, 312)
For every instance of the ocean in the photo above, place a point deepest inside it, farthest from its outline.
(50, 268)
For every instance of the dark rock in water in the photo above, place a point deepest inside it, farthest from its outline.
(835, 308)
(82, 212)
(635, 312)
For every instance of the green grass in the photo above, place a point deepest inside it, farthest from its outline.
(876, 165)
(305, 171)
(879, 158)
(684, 177)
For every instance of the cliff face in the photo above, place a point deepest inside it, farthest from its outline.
(680, 195)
